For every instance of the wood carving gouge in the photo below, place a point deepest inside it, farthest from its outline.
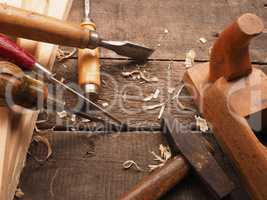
(88, 61)
(11, 51)
(30, 25)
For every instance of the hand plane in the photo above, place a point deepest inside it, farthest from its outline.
(232, 96)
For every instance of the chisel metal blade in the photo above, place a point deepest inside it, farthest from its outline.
(126, 48)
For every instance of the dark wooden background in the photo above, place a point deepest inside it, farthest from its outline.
(88, 165)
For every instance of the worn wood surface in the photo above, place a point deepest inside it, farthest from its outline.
(89, 166)
(74, 172)
(186, 21)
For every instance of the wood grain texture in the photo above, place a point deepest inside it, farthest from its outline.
(186, 21)
(89, 166)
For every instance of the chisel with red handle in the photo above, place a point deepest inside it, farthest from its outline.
(11, 51)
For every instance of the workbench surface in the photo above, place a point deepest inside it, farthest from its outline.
(88, 165)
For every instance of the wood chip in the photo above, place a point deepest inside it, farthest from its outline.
(19, 194)
(190, 58)
(202, 124)
(203, 40)
(161, 111)
(152, 107)
(105, 104)
(156, 94)
(73, 118)
(62, 114)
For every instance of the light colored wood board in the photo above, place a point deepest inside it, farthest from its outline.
(186, 21)
(37, 6)
(20, 126)
(46, 53)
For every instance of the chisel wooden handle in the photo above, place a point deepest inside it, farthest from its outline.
(89, 65)
(159, 182)
(230, 54)
(26, 24)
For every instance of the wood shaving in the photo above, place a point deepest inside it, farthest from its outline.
(105, 104)
(148, 98)
(190, 58)
(166, 30)
(45, 141)
(171, 90)
(179, 103)
(203, 40)
(137, 74)
(161, 111)
(156, 94)
(85, 120)
(19, 194)
(62, 114)
(152, 107)
(40, 131)
(73, 118)
(165, 155)
(130, 163)
(63, 55)
(202, 124)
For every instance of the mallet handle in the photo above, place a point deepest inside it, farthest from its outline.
(154, 186)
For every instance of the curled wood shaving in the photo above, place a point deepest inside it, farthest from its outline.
(202, 124)
(156, 94)
(165, 155)
(137, 74)
(19, 194)
(44, 140)
(130, 163)
(179, 103)
(63, 55)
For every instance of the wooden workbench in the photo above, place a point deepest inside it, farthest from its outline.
(88, 165)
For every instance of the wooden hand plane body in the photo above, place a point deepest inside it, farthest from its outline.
(232, 96)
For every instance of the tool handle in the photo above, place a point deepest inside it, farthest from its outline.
(230, 54)
(30, 25)
(11, 51)
(88, 62)
(154, 186)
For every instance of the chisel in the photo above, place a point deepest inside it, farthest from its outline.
(11, 51)
(25, 24)
(88, 60)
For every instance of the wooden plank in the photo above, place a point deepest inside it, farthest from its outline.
(124, 95)
(89, 166)
(186, 21)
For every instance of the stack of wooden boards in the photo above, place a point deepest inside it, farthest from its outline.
(16, 129)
